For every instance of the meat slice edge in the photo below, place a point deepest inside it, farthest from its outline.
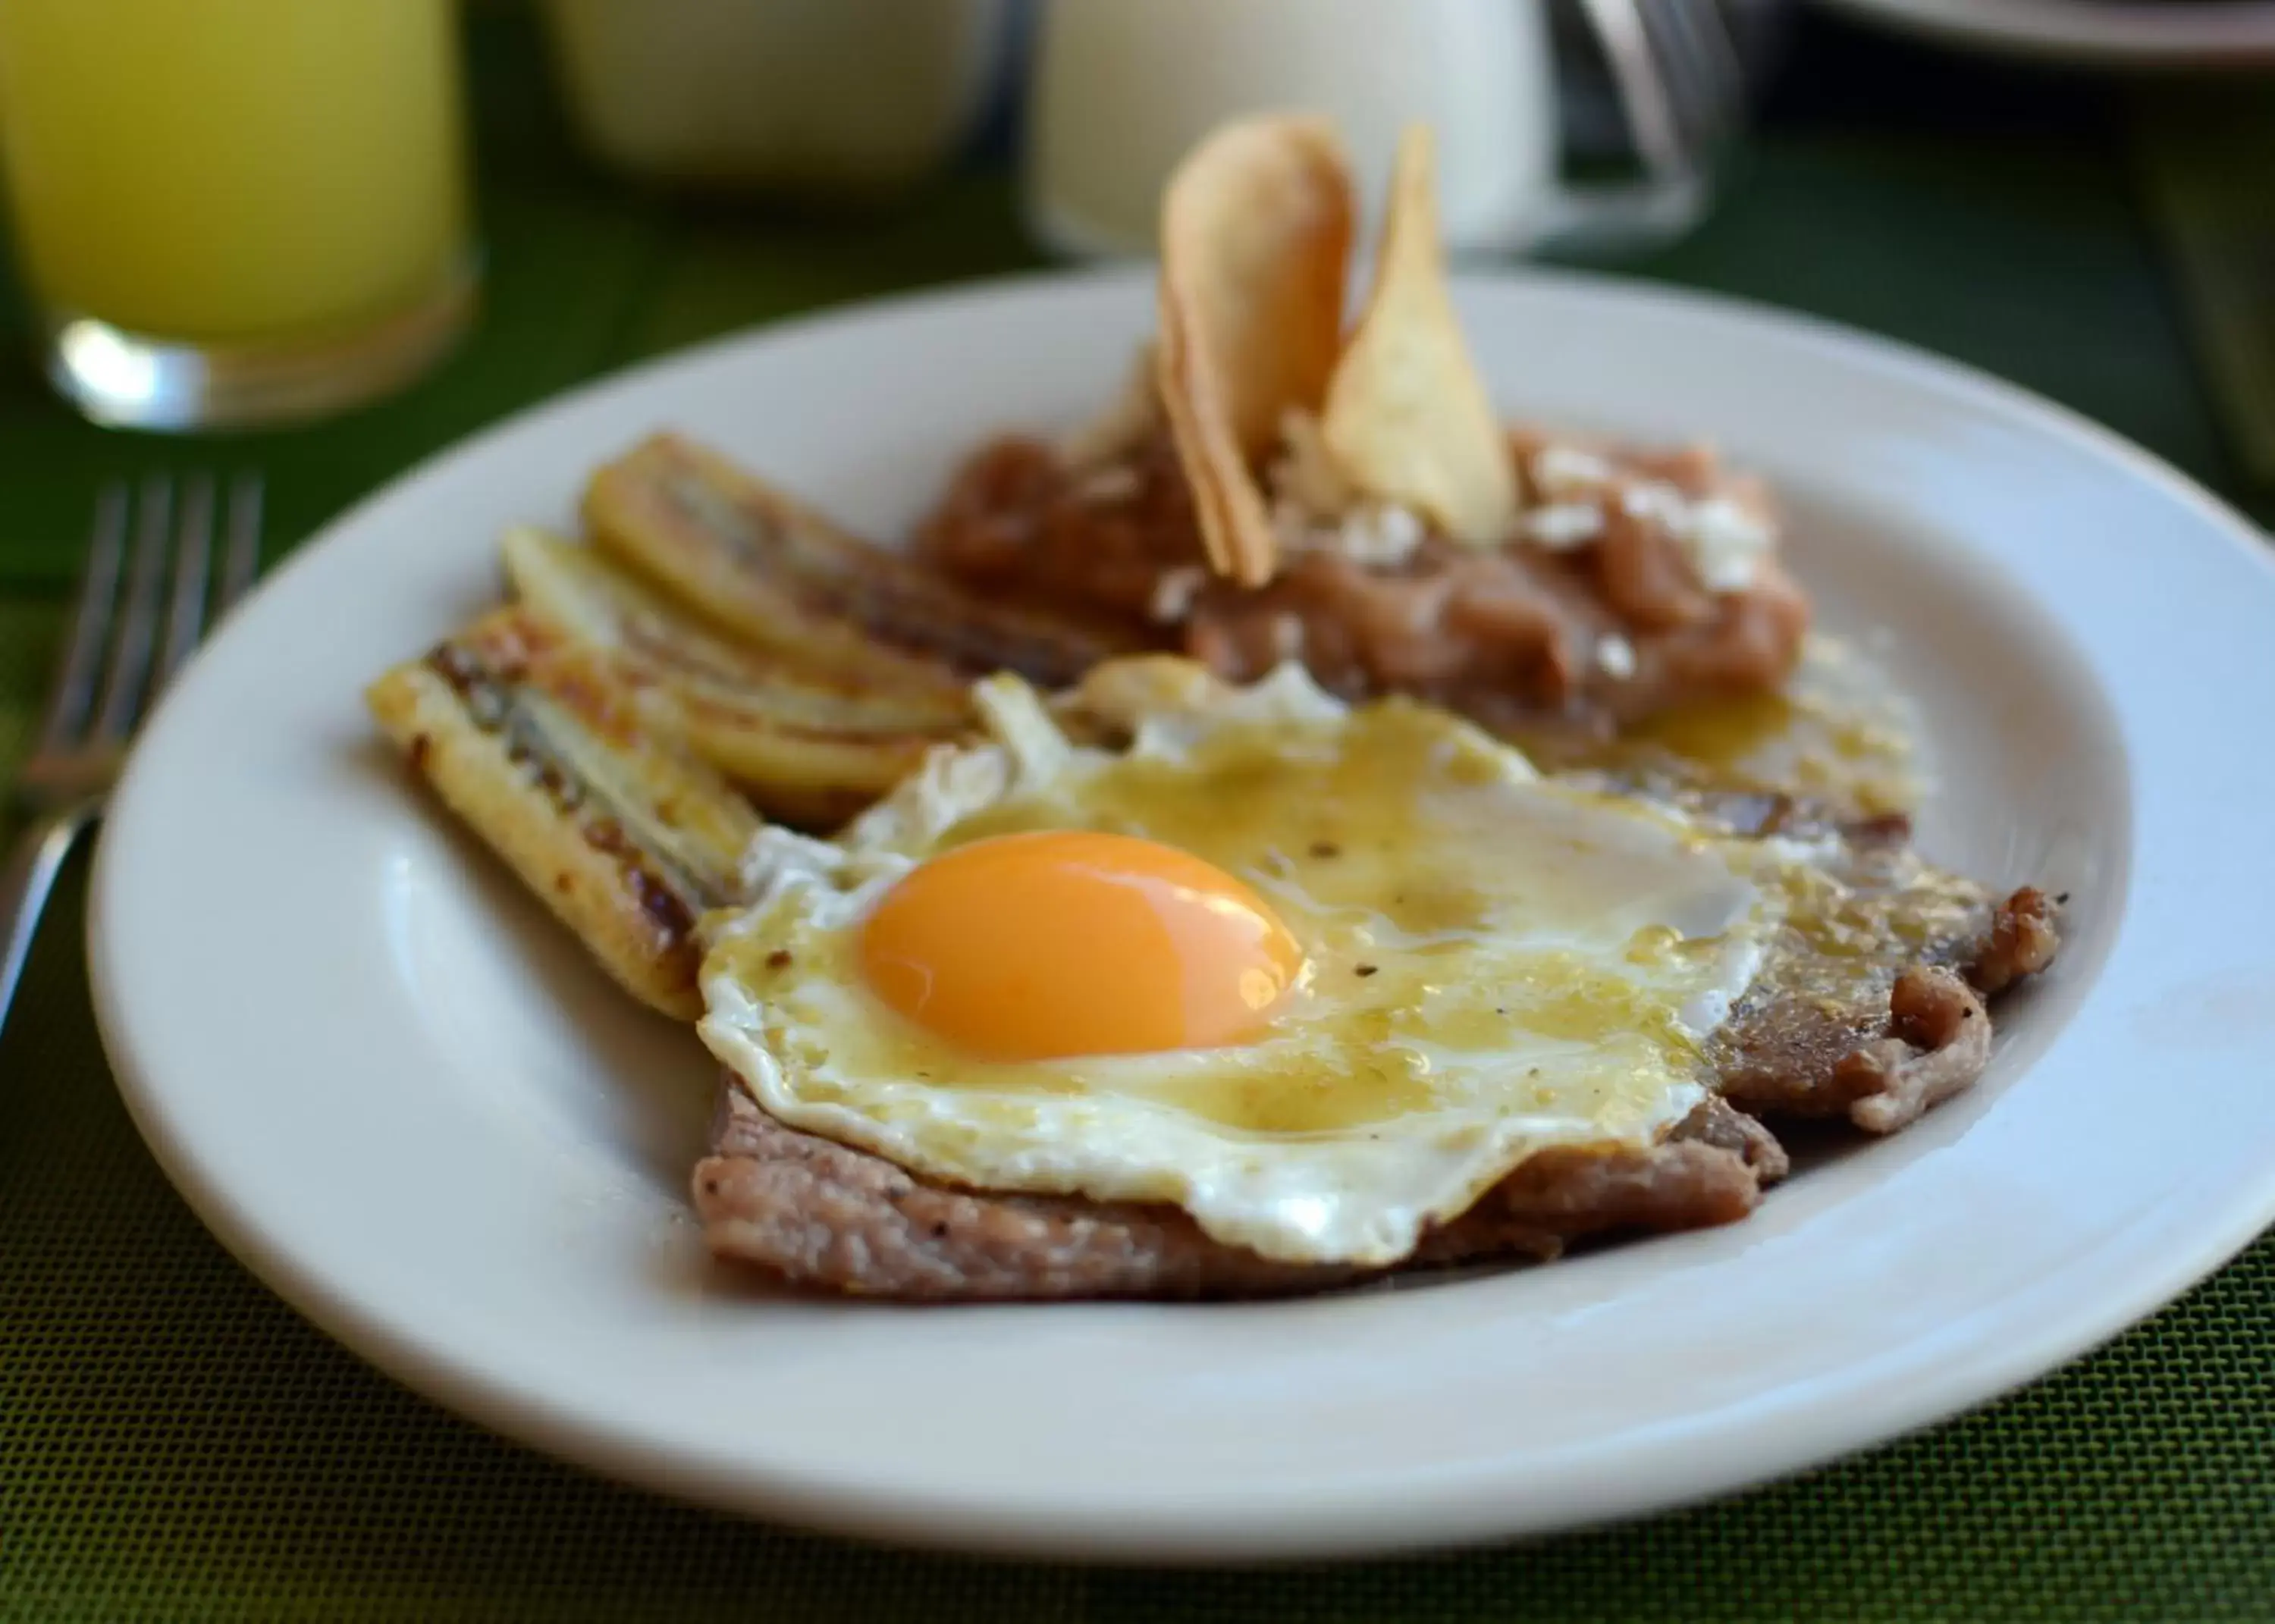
(823, 1215)
(1881, 1068)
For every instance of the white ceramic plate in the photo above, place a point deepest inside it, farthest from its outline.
(2115, 32)
(408, 1104)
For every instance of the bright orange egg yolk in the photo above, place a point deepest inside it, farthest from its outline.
(1027, 946)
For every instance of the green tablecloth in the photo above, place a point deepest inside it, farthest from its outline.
(175, 1445)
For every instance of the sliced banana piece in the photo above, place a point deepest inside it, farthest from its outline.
(534, 742)
(809, 745)
(736, 550)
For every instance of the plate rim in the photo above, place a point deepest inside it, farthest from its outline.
(934, 1521)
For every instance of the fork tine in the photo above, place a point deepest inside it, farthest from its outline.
(69, 700)
(186, 609)
(242, 561)
(124, 684)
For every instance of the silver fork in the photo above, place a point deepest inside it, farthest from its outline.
(151, 584)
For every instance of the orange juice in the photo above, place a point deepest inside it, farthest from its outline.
(221, 170)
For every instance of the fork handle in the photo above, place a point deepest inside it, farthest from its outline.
(25, 884)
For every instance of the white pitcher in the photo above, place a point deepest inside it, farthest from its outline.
(1122, 88)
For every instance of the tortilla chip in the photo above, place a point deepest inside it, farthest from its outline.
(1256, 231)
(1407, 419)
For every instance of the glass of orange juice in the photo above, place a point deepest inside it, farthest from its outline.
(233, 212)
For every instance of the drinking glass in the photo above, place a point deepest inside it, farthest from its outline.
(236, 212)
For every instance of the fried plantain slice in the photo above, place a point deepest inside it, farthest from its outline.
(535, 744)
(1256, 232)
(807, 745)
(1407, 419)
(753, 560)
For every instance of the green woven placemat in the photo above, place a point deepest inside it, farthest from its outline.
(175, 1445)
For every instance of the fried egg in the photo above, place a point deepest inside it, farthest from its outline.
(1319, 976)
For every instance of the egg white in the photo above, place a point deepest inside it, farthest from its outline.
(1497, 963)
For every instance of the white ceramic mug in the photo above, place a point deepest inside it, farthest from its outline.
(1122, 88)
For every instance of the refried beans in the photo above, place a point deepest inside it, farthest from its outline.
(1641, 580)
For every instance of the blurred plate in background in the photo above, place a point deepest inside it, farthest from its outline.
(2191, 34)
